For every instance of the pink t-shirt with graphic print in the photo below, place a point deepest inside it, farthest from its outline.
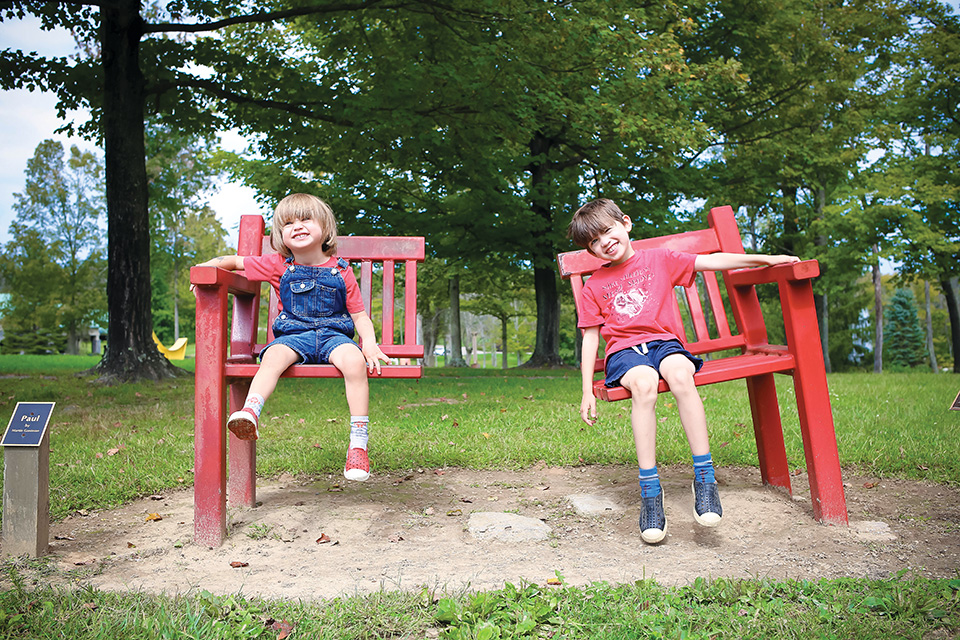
(270, 267)
(633, 302)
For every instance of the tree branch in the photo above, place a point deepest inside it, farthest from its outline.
(264, 17)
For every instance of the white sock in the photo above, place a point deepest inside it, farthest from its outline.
(358, 432)
(254, 402)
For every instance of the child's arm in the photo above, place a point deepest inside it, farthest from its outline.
(588, 360)
(724, 261)
(230, 263)
(368, 338)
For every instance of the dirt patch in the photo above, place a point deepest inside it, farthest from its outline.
(408, 530)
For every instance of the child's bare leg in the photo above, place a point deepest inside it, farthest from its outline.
(678, 371)
(350, 361)
(244, 423)
(642, 381)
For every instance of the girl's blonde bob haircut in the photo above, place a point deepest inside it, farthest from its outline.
(592, 219)
(303, 206)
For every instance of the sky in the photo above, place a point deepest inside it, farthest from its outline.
(27, 118)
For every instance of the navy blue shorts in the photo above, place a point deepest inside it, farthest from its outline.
(650, 354)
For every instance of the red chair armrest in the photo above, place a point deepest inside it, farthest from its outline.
(217, 277)
(803, 270)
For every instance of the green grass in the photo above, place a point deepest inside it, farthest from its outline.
(110, 445)
(847, 608)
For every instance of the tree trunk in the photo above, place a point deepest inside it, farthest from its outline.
(130, 353)
(877, 315)
(820, 300)
(546, 350)
(503, 342)
(929, 308)
(950, 288)
(455, 348)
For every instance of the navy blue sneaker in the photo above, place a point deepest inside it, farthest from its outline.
(706, 503)
(653, 523)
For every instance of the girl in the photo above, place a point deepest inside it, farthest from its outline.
(320, 309)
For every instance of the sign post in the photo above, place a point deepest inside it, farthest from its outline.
(26, 480)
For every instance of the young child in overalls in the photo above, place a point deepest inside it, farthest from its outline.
(320, 309)
(624, 302)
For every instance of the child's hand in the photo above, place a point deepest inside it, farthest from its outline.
(782, 259)
(588, 409)
(373, 355)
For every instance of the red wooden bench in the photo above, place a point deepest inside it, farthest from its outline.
(757, 360)
(231, 361)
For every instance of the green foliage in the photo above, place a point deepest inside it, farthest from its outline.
(183, 230)
(903, 340)
(53, 268)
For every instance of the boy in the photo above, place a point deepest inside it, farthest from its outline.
(625, 301)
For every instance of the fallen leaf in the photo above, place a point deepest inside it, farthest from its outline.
(236, 564)
(439, 472)
(503, 410)
(130, 545)
(554, 582)
(323, 539)
(485, 435)
(335, 489)
(923, 467)
(528, 397)
(283, 627)
(722, 445)
(317, 446)
(138, 394)
(98, 455)
(444, 417)
(455, 512)
(301, 421)
(154, 517)
(90, 606)
(870, 485)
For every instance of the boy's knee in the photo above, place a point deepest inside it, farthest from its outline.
(642, 388)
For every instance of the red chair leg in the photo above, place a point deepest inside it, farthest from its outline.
(242, 485)
(210, 443)
(768, 431)
(813, 405)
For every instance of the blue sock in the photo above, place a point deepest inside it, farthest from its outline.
(649, 482)
(703, 468)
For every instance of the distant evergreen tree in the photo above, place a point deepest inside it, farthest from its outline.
(903, 339)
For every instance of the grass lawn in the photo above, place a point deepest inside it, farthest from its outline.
(112, 444)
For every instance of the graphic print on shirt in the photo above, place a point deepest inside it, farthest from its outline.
(628, 295)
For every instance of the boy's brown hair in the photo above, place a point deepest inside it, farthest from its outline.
(592, 219)
(303, 206)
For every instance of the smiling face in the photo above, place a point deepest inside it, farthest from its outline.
(613, 242)
(603, 230)
(303, 224)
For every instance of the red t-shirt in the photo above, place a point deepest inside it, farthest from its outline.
(633, 302)
(270, 267)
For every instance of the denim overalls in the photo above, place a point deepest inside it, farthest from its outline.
(314, 320)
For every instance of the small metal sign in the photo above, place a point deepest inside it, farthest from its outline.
(28, 424)
(956, 403)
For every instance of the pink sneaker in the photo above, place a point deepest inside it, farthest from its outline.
(243, 424)
(358, 465)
